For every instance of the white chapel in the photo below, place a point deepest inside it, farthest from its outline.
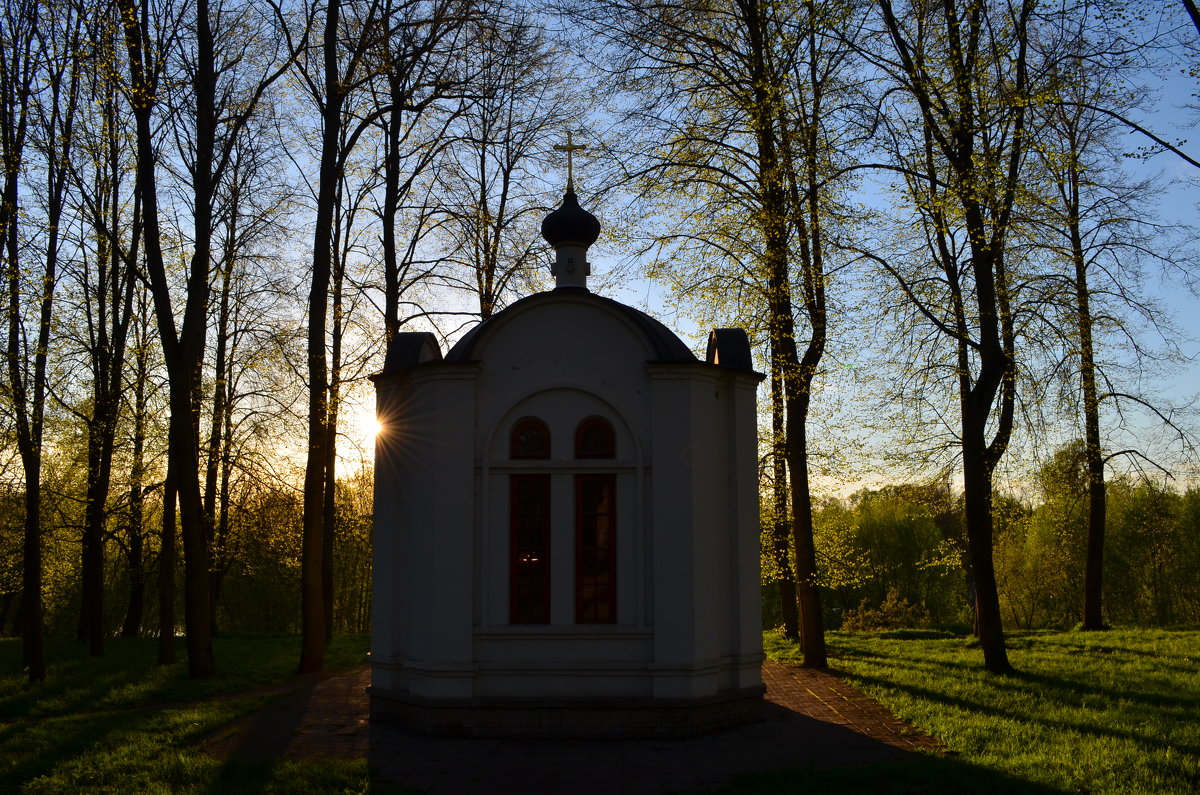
(566, 534)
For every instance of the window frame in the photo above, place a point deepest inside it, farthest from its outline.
(599, 580)
(525, 607)
(582, 431)
(515, 442)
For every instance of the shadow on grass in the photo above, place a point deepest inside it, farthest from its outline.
(112, 718)
(920, 774)
(1049, 688)
(127, 676)
(265, 734)
(35, 750)
(77, 682)
(296, 777)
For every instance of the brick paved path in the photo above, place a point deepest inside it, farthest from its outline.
(811, 719)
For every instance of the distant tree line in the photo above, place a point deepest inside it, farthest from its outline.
(893, 557)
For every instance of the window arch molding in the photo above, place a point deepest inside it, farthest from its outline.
(529, 440)
(562, 408)
(595, 439)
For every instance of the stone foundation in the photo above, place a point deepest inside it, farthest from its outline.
(603, 718)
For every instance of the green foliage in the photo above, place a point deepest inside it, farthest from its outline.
(772, 610)
(1040, 556)
(261, 591)
(12, 518)
(1088, 712)
(119, 723)
(901, 543)
(1152, 555)
(894, 613)
(352, 553)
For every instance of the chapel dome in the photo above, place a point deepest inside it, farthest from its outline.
(570, 224)
(662, 343)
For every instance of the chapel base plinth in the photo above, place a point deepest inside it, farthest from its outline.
(568, 717)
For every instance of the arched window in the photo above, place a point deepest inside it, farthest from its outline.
(595, 549)
(529, 549)
(529, 527)
(530, 439)
(594, 439)
(595, 527)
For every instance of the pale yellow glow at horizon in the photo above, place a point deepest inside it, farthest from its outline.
(369, 425)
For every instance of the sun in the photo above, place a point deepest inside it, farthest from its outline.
(369, 425)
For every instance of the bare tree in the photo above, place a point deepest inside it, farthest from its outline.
(362, 43)
(1096, 222)
(105, 277)
(251, 209)
(344, 68)
(517, 106)
(965, 67)
(424, 67)
(220, 104)
(21, 61)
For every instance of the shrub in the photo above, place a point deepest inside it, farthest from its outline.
(894, 613)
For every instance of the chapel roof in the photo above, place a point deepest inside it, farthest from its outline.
(666, 346)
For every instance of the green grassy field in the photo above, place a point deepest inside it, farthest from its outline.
(1110, 712)
(121, 723)
(1114, 712)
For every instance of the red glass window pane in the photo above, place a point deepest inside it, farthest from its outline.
(529, 559)
(530, 439)
(595, 549)
(594, 439)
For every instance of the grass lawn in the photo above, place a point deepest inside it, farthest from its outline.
(1107, 712)
(121, 723)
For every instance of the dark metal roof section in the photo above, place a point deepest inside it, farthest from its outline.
(411, 348)
(570, 224)
(730, 347)
(667, 347)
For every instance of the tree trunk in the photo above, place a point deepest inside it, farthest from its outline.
(27, 389)
(985, 192)
(391, 202)
(812, 621)
(135, 524)
(166, 575)
(312, 601)
(977, 503)
(33, 650)
(796, 378)
(91, 616)
(108, 371)
(976, 403)
(329, 507)
(182, 351)
(214, 454)
(1093, 578)
(135, 557)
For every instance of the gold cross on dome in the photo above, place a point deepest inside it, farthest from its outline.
(570, 148)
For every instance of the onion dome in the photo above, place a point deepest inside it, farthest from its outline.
(570, 224)
(570, 230)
